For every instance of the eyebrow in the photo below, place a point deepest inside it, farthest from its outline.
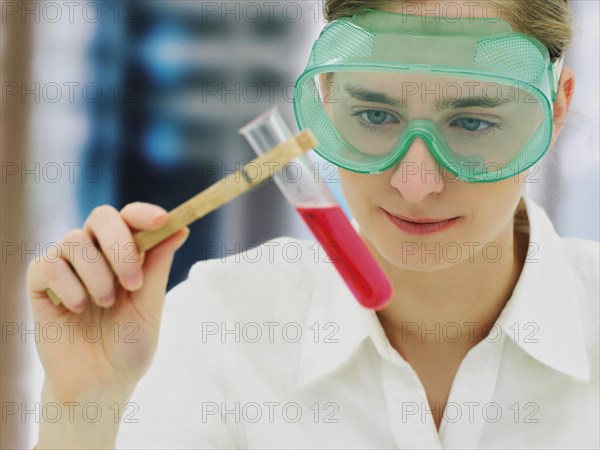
(366, 95)
(372, 96)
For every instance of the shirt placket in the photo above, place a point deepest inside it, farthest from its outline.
(411, 425)
(405, 396)
(471, 394)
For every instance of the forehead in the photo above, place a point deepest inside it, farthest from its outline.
(450, 8)
(419, 88)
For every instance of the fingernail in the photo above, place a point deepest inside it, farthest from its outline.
(107, 300)
(134, 281)
(187, 233)
(157, 212)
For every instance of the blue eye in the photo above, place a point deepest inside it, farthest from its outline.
(473, 125)
(375, 117)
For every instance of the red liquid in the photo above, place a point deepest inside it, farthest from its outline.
(350, 256)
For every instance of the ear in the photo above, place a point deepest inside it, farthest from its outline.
(566, 89)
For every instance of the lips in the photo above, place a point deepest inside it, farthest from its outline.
(420, 219)
(421, 225)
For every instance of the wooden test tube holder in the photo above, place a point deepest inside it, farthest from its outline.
(223, 191)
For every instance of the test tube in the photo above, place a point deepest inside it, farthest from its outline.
(309, 195)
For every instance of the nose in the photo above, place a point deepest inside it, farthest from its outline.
(417, 175)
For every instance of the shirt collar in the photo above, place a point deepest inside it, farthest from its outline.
(338, 326)
(543, 308)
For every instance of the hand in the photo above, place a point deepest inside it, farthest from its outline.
(112, 301)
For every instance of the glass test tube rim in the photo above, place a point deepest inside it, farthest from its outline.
(272, 117)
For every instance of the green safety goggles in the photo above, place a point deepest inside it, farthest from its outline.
(478, 93)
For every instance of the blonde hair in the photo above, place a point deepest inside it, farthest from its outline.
(549, 21)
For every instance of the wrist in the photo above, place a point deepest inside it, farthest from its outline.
(84, 421)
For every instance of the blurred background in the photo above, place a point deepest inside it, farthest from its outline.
(119, 101)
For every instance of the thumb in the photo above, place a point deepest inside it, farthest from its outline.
(157, 266)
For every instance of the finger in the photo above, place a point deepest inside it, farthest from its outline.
(144, 216)
(90, 265)
(116, 242)
(157, 266)
(53, 272)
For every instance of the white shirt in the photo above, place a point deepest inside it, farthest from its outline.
(269, 349)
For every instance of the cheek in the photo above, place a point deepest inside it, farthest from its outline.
(495, 203)
(347, 183)
(357, 190)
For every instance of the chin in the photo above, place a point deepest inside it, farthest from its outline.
(414, 253)
(416, 262)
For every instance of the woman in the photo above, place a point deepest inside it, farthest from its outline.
(491, 337)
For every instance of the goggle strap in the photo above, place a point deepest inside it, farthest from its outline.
(556, 71)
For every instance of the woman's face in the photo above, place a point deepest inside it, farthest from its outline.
(418, 187)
